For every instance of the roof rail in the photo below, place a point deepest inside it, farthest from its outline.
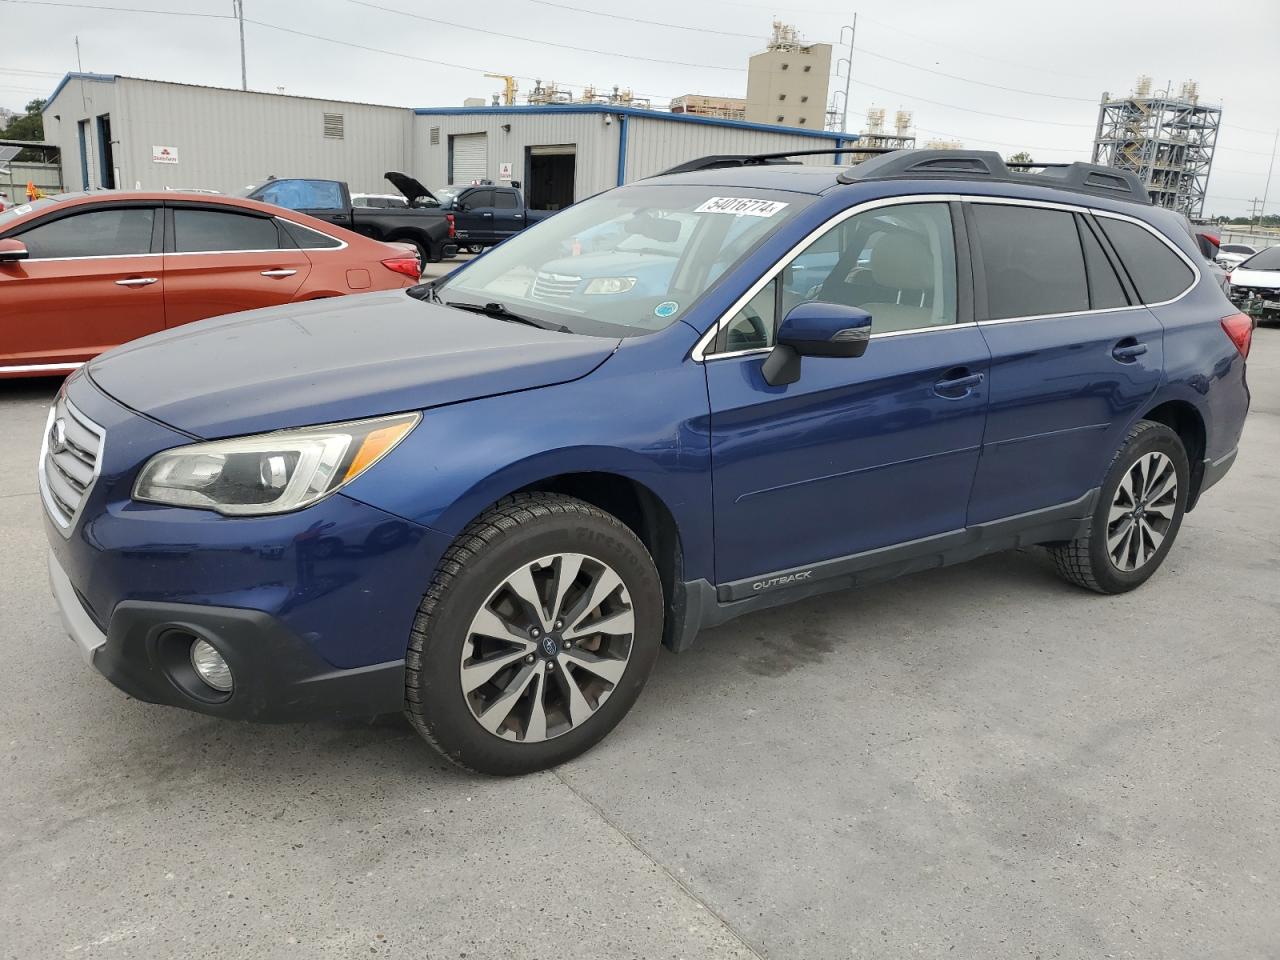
(987, 165)
(719, 161)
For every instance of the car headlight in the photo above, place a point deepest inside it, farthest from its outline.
(610, 285)
(271, 472)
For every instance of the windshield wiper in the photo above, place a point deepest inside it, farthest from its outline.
(499, 312)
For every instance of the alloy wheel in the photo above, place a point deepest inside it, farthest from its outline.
(547, 648)
(1142, 511)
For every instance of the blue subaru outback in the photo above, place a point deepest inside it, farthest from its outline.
(488, 506)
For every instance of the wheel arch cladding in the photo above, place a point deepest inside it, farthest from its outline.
(638, 507)
(1185, 420)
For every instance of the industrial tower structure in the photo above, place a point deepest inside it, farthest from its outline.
(1166, 140)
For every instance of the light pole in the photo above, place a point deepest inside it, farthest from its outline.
(238, 7)
(848, 70)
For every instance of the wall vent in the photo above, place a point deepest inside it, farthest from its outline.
(334, 126)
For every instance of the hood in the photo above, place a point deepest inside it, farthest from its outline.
(332, 360)
(1244, 277)
(410, 187)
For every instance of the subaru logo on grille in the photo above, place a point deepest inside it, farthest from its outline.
(58, 436)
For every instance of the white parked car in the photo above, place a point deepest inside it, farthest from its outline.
(1255, 284)
(1233, 254)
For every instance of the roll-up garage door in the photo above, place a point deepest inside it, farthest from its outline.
(469, 154)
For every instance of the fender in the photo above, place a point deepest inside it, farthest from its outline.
(468, 455)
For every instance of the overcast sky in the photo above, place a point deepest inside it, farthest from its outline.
(1073, 51)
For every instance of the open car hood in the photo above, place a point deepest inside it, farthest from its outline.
(411, 187)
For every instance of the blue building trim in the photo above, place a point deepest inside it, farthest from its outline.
(622, 150)
(101, 77)
(623, 112)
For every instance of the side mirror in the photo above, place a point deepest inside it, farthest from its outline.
(12, 251)
(816, 329)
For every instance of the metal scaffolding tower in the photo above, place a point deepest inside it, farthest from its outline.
(1166, 139)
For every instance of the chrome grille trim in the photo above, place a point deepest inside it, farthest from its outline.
(67, 474)
(554, 286)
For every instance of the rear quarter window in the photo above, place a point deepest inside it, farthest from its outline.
(1157, 272)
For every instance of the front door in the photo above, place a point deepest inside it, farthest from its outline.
(220, 261)
(858, 454)
(92, 281)
(1073, 360)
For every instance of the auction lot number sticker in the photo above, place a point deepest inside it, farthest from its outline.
(742, 206)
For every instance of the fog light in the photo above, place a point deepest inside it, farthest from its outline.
(210, 666)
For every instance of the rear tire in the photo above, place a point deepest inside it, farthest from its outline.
(1137, 517)
(535, 636)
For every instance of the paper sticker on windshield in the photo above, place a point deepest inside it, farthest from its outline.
(741, 206)
(666, 308)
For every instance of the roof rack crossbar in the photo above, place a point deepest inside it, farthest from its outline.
(989, 166)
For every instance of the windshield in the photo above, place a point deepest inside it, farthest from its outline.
(445, 194)
(1268, 259)
(1236, 248)
(626, 262)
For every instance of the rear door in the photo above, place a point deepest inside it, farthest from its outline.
(1074, 355)
(93, 280)
(220, 259)
(508, 215)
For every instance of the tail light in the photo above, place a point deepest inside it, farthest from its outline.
(1239, 327)
(453, 225)
(408, 265)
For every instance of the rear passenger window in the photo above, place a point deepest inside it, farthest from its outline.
(212, 231)
(1032, 260)
(1157, 272)
(1105, 290)
(505, 200)
(307, 238)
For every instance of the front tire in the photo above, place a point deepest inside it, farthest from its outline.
(1137, 517)
(535, 637)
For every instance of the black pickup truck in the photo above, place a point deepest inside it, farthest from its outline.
(484, 214)
(427, 226)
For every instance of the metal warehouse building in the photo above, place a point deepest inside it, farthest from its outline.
(124, 133)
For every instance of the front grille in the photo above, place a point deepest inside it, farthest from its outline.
(554, 286)
(69, 460)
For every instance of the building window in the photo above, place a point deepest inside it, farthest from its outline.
(334, 126)
(808, 67)
(802, 121)
(780, 118)
(435, 136)
(782, 96)
(784, 66)
(804, 99)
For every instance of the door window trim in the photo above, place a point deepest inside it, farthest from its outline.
(980, 279)
(702, 350)
(171, 205)
(155, 206)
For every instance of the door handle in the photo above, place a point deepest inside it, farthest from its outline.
(137, 282)
(278, 273)
(956, 387)
(1128, 350)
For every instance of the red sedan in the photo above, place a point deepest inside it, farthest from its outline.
(82, 273)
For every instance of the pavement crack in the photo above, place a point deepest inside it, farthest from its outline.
(688, 891)
(10, 496)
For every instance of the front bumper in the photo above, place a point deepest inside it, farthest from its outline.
(278, 676)
(312, 610)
